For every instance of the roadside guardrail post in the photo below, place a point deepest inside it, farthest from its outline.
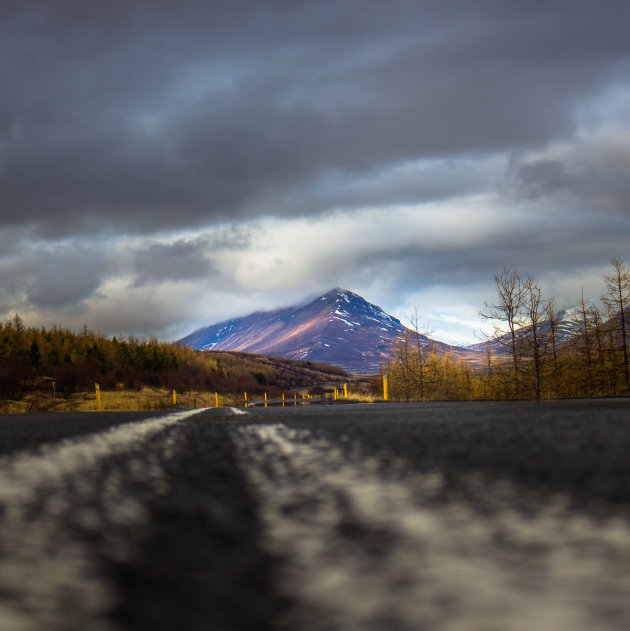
(97, 388)
(385, 390)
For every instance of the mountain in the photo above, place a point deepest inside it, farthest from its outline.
(567, 326)
(339, 328)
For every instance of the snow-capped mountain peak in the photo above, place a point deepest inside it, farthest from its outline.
(340, 327)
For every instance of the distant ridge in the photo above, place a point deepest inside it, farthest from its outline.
(339, 327)
(567, 326)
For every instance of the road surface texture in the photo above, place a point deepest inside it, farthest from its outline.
(483, 516)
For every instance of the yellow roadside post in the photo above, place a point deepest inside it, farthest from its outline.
(385, 390)
(216, 399)
(174, 398)
(265, 399)
(295, 398)
(97, 388)
(345, 390)
(283, 399)
(245, 395)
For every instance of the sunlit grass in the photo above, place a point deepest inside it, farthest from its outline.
(362, 397)
(147, 399)
(117, 400)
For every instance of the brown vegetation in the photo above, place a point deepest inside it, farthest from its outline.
(525, 359)
(36, 362)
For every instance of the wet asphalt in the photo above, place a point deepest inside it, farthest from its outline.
(484, 515)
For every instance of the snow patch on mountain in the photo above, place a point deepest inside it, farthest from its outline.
(339, 328)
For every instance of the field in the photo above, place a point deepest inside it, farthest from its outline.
(122, 399)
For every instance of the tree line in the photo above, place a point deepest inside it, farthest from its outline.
(32, 358)
(528, 357)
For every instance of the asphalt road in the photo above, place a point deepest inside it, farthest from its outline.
(449, 516)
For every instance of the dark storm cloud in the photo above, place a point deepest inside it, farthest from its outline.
(65, 278)
(178, 261)
(542, 177)
(186, 259)
(589, 178)
(143, 116)
(534, 248)
(407, 185)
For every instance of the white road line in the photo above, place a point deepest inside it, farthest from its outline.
(367, 550)
(238, 412)
(19, 471)
(41, 495)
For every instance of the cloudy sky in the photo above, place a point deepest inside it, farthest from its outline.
(168, 165)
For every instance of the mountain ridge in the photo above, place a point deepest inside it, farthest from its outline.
(567, 326)
(339, 327)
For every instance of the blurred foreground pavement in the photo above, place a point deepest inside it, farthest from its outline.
(446, 516)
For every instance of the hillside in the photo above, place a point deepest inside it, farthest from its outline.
(33, 359)
(276, 372)
(568, 327)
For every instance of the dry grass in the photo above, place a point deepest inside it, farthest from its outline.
(117, 400)
(362, 397)
(121, 399)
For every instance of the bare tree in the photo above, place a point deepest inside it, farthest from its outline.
(402, 370)
(583, 341)
(617, 301)
(421, 348)
(534, 337)
(507, 313)
(605, 377)
(488, 371)
(553, 320)
(409, 365)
